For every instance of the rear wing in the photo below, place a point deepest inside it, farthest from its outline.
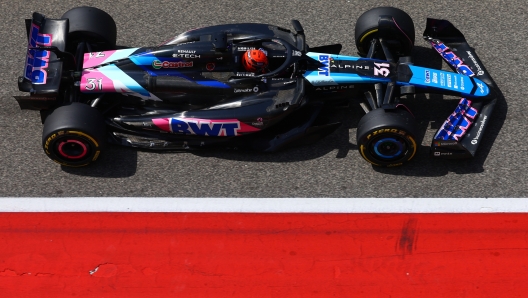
(42, 69)
(462, 132)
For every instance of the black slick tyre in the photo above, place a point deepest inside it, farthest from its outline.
(91, 25)
(387, 138)
(367, 29)
(74, 135)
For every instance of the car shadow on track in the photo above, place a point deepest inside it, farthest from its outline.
(115, 162)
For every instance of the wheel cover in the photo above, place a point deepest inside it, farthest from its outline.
(389, 148)
(72, 149)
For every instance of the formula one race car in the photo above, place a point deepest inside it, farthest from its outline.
(192, 92)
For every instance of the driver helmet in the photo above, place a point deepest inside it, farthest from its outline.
(255, 60)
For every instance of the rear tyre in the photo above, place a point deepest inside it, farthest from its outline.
(367, 29)
(387, 138)
(93, 26)
(74, 135)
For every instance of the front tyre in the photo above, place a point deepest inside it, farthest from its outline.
(401, 42)
(74, 135)
(387, 138)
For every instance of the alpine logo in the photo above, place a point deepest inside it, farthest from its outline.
(334, 88)
(156, 64)
(481, 87)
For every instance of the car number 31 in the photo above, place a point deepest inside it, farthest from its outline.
(94, 84)
(381, 69)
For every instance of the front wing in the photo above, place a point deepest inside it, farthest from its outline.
(463, 130)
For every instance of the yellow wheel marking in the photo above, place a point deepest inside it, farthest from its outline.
(77, 133)
(367, 34)
(414, 145)
(96, 155)
(362, 150)
(84, 135)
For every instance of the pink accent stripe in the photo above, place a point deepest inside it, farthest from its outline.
(247, 128)
(162, 123)
(402, 31)
(96, 58)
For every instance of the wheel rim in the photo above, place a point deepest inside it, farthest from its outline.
(72, 149)
(389, 148)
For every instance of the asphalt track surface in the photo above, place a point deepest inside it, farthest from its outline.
(330, 168)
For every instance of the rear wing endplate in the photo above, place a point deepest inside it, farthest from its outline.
(42, 69)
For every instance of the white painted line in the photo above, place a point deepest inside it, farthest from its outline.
(266, 205)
